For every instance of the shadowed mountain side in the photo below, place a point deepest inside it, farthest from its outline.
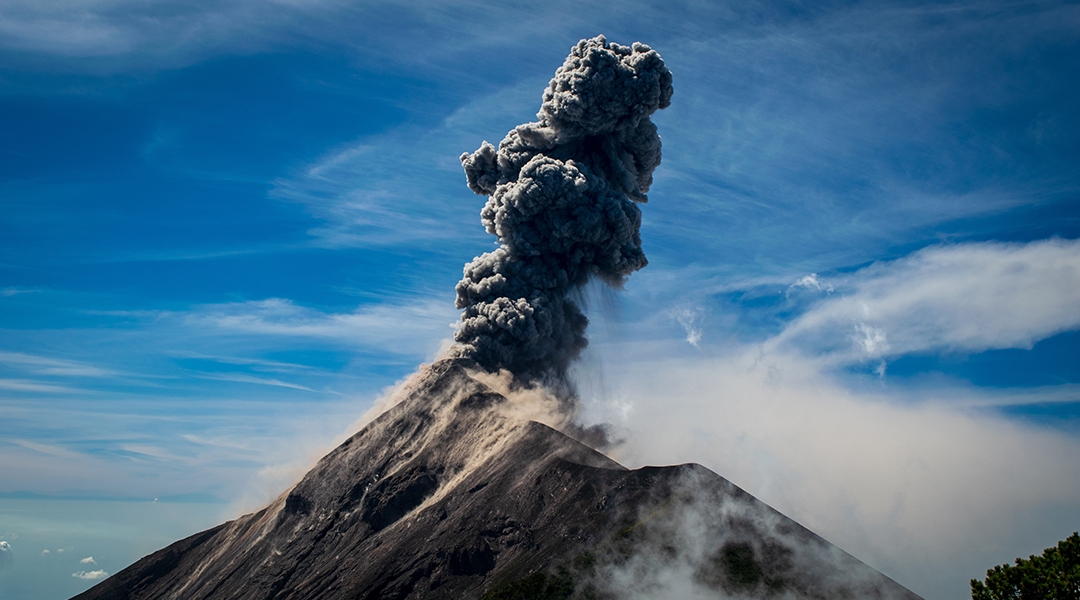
(448, 495)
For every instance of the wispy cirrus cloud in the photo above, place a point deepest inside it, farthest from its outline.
(166, 32)
(412, 328)
(48, 449)
(170, 401)
(43, 365)
(795, 146)
(255, 363)
(959, 298)
(204, 445)
(243, 378)
(117, 35)
(23, 385)
(406, 186)
(14, 291)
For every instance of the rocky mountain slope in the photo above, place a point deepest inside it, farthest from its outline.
(455, 493)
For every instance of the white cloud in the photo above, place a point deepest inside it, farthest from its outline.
(91, 575)
(12, 291)
(968, 297)
(51, 366)
(931, 486)
(257, 363)
(811, 282)
(167, 31)
(49, 450)
(927, 492)
(870, 339)
(242, 378)
(413, 328)
(89, 560)
(404, 186)
(155, 452)
(23, 385)
(690, 319)
(171, 33)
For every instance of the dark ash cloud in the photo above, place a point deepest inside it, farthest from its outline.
(563, 194)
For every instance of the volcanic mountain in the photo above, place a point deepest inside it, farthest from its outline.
(457, 492)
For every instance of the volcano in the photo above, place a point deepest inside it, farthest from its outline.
(456, 491)
(469, 486)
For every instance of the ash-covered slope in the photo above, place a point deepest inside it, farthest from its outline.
(450, 495)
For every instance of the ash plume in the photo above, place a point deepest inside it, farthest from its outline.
(563, 194)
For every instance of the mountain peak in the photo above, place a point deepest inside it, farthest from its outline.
(452, 493)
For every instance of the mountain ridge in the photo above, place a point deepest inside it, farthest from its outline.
(451, 493)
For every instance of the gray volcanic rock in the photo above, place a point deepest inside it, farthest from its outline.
(451, 493)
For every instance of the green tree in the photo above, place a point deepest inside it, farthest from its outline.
(1053, 576)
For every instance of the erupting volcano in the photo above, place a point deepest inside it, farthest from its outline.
(472, 484)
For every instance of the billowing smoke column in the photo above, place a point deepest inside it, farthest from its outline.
(563, 195)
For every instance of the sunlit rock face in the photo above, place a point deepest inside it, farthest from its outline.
(455, 492)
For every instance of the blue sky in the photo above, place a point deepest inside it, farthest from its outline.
(227, 226)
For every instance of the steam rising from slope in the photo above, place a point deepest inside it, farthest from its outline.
(562, 201)
(712, 541)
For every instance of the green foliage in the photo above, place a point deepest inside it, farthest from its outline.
(1053, 576)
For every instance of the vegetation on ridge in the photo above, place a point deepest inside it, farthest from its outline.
(1053, 576)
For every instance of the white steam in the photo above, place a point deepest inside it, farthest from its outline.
(920, 485)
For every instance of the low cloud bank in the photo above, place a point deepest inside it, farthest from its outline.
(929, 493)
(932, 486)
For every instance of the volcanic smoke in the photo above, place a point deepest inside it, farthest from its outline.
(562, 200)
(456, 489)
